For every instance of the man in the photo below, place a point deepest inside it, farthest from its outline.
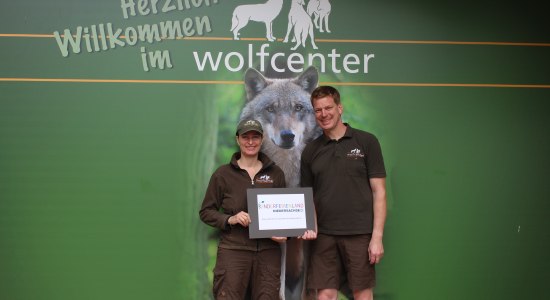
(346, 170)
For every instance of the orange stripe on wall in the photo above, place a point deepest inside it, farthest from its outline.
(526, 44)
(402, 84)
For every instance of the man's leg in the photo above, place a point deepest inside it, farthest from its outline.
(363, 295)
(327, 294)
(324, 268)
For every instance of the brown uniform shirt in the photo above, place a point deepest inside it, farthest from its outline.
(339, 172)
(226, 196)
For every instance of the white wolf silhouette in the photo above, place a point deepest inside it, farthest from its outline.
(263, 12)
(284, 109)
(301, 22)
(321, 10)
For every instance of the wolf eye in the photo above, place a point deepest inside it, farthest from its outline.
(270, 109)
(298, 107)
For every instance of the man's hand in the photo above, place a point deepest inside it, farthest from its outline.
(308, 235)
(376, 250)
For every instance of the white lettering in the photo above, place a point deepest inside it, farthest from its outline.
(351, 59)
(207, 56)
(168, 6)
(240, 58)
(321, 60)
(334, 55)
(366, 64)
(149, 33)
(351, 63)
(291, 61)
(125, 5)
(145, 7)
(274, 59)
(113, 36)
(262, 54)
(68, 39)
(131, 36)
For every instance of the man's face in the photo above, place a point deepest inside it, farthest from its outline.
(327, 113)
(250, 143)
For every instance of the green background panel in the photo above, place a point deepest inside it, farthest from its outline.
(100, 183)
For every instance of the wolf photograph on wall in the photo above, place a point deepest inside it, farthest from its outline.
(284, 108)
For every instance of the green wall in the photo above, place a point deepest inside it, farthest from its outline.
(100, 182)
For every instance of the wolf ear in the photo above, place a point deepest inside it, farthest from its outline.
(254, 83)
(308, 80)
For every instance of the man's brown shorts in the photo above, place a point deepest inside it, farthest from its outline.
(333, 257)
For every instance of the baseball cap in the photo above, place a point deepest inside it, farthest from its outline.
(247, 125)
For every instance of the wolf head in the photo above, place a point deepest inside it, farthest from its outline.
(284, 108)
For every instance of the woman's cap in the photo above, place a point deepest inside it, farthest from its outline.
(249, 125)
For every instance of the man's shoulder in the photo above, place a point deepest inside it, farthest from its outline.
(362, 134)
(315, 143)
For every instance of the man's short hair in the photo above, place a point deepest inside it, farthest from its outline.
(324, 91)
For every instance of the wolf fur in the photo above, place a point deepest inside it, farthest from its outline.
(283, 107)
(300, 21)
(263, 12)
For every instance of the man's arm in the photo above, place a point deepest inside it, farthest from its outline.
(376, 247)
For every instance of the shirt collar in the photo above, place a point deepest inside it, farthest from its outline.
(347, 134)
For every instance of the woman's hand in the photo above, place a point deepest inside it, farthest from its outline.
(241, 218)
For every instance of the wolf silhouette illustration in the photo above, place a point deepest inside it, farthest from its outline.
(263, 12)
(283, 107)
(320, 9)
(300, 22)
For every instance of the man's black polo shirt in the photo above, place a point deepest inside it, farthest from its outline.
(339, 173)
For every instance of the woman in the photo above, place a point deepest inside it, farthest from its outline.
(244, 267)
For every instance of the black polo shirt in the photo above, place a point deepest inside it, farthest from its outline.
(339, 172)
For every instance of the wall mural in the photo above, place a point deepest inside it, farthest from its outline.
(114, 113)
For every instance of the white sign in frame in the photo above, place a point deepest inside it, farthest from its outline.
(282, 212)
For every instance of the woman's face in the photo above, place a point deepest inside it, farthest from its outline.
(250, 143)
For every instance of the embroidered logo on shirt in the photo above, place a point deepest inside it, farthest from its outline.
(355, 154)
(264, 179)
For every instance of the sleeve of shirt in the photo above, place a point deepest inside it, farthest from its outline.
(375, 161)
(210, 210)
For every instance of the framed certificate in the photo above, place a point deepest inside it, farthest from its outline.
(284, 212)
